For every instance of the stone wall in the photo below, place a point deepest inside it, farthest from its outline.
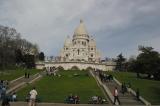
(80, 65)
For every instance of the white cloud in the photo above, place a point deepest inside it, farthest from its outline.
(48, 22)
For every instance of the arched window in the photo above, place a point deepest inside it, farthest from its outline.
(78, 51)
(66, 55)
(91, 55)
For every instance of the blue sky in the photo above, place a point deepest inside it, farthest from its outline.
(118, 26)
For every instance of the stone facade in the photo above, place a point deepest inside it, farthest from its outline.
(80, 48)
(81, 65)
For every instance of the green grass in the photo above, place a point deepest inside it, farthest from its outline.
(56, 89)
(13, 74)
(149, 89)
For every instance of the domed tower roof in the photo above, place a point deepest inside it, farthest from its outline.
(81, 31)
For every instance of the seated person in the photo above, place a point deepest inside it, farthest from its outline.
(76, 99)
(99, 100)
(94, 99)
(27, 97)
(14, 97)
(70, 99)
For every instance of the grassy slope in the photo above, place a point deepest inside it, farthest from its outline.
(13, 74)
(55, 89)
(149, 89)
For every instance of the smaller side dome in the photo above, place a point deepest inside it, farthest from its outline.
(92, 42)
(67, 41)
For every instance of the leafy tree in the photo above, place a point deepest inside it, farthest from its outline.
(29, 61)
(13, 48)
(148, 61)
(120, 62)
(18, 56)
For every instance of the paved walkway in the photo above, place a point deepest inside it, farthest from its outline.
(20, 82)
(61, 104)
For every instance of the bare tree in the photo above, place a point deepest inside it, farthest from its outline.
(10, 41)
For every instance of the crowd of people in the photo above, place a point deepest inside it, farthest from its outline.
(51, 71)
(6, 98)
(74, 99)
(103, 76)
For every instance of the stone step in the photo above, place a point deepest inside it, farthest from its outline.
(21, 82)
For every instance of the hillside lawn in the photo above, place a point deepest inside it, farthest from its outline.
(56, 89)
(16, 73)
(149, 89)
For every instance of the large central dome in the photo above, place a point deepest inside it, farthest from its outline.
(81, 30)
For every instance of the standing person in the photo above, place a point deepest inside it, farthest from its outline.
(137, 94)
(129, 87)
(3, 94)
(25, 74)
(5, 101)
(122, 88)
(28, 74)
(115, 94)
(33, 93)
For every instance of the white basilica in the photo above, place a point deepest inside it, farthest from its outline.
(79, 51)
(81, 47)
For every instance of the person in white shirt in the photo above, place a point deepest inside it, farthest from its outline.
(116, 98)
(14, 97)
(33, 93)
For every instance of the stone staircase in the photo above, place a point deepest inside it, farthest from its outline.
(125, 99)
(21, 82)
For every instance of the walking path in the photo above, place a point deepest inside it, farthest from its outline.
(20, 82)
(62, 104)
(126, 99)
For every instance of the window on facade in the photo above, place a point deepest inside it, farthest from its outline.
(91, 48)
(84, 43)
(66, 55)
(66, 48)
(91, 55)
(78, 51)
